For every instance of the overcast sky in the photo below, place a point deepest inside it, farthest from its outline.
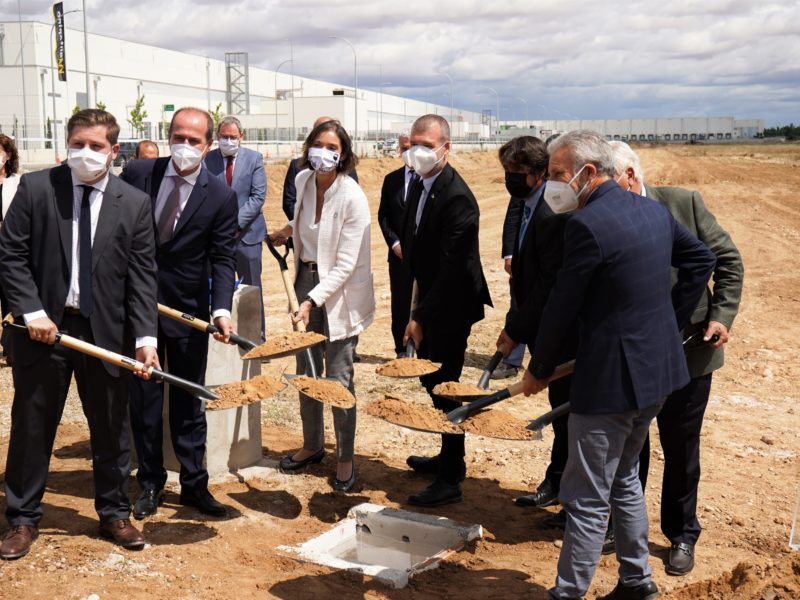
(566, 58)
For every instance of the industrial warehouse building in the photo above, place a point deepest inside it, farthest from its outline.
(276, 107)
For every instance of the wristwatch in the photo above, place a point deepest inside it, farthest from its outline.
(311, 300)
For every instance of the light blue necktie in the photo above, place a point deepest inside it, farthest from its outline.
(526, 217)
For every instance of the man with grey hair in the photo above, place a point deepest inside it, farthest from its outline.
(681, 419)
(242, 170)
(615, 282)
(394, 197)
(440, 247)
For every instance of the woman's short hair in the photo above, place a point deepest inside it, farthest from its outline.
(10, 148)
(347, 159)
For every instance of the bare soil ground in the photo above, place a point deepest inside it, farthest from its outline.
(750, 441)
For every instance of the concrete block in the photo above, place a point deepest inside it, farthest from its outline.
(234, 435)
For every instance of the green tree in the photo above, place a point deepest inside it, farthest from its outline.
(137, 116)
(76, 109)
(100, 105)
(216, 114)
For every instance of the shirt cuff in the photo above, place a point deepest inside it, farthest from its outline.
(221, 312)
(395, 244)
(146, 340)
(508, 257)
(34, 315)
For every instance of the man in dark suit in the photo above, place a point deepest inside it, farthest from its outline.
(295, 166)
(77, 256)
(440, 245)
(242, 170)
(391, 213)
(615, 281)
(681, 419)
(195, 218)
(536, 255)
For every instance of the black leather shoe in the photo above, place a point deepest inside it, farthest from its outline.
(203, 501)
(556, 521)
(437, 494)
(609, 545)
(345, 486)
(644, 591)
(427, 465)
(681, 559)
(289, 465)
(147, 503)
(545, 495)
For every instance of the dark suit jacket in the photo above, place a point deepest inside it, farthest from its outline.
(444, 255)
(204, 241)
(250, 184)
(722, 305)
(289, 190)
(534, 266)
(511, 223)
(391, 211)
(618, 251)
(36, 255)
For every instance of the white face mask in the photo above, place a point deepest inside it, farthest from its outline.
(560, 196)
(185, 157)
(628, 187)
(323, 160)
(422, 159)
(87, 164)
(229, 146)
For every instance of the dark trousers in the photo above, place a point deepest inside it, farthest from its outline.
(448, 346)
(248, 267)
(40, 390)
(679, 425)
(400, 284)
(558, 394)
(186, 358)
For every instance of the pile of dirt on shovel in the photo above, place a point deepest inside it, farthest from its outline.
(284, 343)
(411, 414)
(323, 390)
(407, 367)
(454, 389)
(497, 424)
(241, 393)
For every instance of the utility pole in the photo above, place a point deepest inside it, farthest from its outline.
(22, 70)
(86, 58)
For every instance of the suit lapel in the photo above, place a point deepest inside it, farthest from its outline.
(153, 181)
(441, 182)
(107, 219)
(196, 198)
(64, 200)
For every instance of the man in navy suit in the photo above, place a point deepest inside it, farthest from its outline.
(391, 217)
(195, 219)
(242, 170)
(616, 283)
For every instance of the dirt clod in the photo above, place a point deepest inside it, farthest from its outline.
(411, 414)
(285, 343)
(497, 423)
(324, 390)
(407, 367)
(455, 389)
(241, 393)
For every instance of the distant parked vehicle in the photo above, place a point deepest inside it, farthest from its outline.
(126, 150)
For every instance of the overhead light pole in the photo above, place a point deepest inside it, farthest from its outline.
(450, 79)
(355, 74)
(497, 100)
(278, 68)
(525, 102)
(291, 60)
(22, 70)
(86, 58)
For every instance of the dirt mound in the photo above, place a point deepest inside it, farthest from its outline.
(407, 367)
(284, 344)
(456, 390)
(324, 390)
(241, 393)
(497, 424)
(411, 414)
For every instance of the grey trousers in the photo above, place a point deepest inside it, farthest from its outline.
(338, 358)
(602, 473)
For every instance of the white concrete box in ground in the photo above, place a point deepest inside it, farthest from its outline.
(234, 435)
(388, 544)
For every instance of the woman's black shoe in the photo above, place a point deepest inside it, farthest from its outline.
(345, 486)
(289, 465)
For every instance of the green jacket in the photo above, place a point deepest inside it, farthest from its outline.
(723, 303)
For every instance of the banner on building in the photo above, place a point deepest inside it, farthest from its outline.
(60, 50)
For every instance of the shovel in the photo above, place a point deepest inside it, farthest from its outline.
(124, 362)
(460, 414)
(410, 366)
(196, 323)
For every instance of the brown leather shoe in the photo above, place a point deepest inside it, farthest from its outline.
(17, 542)
(123, 533)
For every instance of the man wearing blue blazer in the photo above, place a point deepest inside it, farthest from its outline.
(242, 170)
(194, 214)
(616, 283)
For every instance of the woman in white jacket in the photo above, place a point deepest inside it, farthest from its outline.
(331, 233)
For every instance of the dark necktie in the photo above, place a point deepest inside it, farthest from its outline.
(166, 221)
(85, 252)
(413, 200)
(229, 170)
(526, 218)
(411, 179)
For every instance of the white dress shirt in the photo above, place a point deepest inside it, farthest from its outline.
(95, 204)
(307, 229)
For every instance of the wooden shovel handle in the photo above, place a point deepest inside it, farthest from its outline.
(101, 353)
(294, 305)
(177, 315)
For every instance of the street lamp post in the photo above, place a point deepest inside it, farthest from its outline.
(86, 58)
(22, 70)
(278, 68)
(355, 74)
(450, 79)
(497, 110)
(525, 102)
(291, 60)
